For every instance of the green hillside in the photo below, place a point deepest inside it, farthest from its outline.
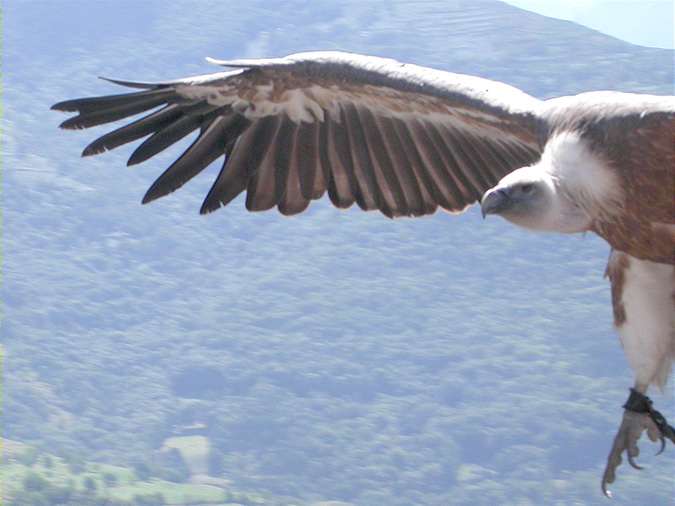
(35, 478)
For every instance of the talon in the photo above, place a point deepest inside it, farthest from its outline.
(605, 491)
(663, 445)
(634, 464)
(609, 475)
(607, 478)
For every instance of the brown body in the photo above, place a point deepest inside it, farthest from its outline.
(644, 161)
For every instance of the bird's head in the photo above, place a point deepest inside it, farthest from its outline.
(530, 197)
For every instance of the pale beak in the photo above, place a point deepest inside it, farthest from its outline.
(494, 201)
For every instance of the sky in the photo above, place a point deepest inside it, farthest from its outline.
(643, 22)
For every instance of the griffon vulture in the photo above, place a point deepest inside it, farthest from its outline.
(407, 140)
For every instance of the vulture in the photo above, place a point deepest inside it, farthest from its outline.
(408, 140)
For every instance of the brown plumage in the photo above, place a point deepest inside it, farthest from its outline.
(645, 226)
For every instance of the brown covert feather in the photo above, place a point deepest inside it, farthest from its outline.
(645, 227)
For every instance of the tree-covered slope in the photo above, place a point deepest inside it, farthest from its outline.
(336, 355)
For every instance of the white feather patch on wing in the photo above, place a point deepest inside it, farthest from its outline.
(648, 333)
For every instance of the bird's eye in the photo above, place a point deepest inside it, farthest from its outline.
(527, 188)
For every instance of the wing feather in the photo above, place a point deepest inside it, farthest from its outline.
(342, 185)
(261, 192)
(293, 201)
(233, 175)
(398, 138)
(457, 165)
(367, 195)
(170, 134)
(450, 193)
(314, 162)
(310, 171)
(284, 150)
(384, 167)
(123, 102)
(401, 166)
(209, 146)
(428, 190)
(140, 128)
(470, 162)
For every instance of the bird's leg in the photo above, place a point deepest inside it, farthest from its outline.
(638, 416)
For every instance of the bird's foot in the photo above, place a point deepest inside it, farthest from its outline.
(639, 416)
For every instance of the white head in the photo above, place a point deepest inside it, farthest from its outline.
(563, 192)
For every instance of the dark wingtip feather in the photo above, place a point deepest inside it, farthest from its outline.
(72, 124)
(65, 106)
(92, 150)
(150, 195)
(208, 209)
(161, 187)
(95, 148)
(387, 212)
(132, 84)
(168, 135)
(210, 204)
(136, 158)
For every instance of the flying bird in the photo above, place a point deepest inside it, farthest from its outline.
(407, 141)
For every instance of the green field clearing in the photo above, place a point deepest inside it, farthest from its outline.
(112, 482)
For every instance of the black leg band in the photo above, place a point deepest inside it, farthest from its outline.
(640, 403)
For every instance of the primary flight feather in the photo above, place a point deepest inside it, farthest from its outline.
(407, 140)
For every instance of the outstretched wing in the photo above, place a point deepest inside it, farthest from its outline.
(398, 138)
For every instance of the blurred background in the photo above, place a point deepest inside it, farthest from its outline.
(155, 356)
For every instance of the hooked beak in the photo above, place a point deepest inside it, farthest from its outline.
(494, 201)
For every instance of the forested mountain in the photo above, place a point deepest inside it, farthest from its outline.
(332, 356)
